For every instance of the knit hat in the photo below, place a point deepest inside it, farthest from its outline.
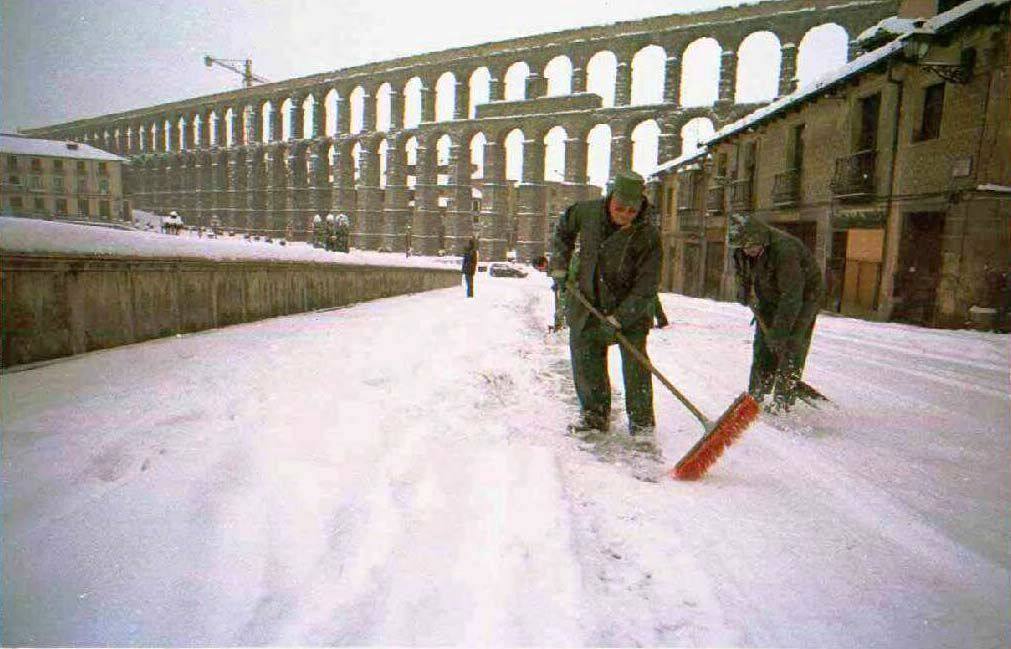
(747, 231)
(627, 188)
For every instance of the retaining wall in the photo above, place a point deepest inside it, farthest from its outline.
(54, 305)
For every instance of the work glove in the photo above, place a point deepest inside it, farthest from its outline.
(611, 327)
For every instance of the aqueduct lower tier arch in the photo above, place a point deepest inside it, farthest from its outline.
(270, 157)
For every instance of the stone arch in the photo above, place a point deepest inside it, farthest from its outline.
(331, 103)
(823, 48)
(645, 146)
(598, 167)
(356, 107)
(384, 107)
(443, 144)
(384, 156)
(477, 142)
(412, 102)
(558, 73)
(480, 90)
(411, 145)
(516, 81)
(700, 72)
(694, 132)
(266, 114)
(602, 75)
(445, 97)
(759, 59)
(287, 127)
(513, 146)
(356, 161)
(307, 111)
(648, 69)
(554, 153)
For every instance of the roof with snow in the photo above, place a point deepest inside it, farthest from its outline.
(938, 24)
(21, 145)
(684, 158)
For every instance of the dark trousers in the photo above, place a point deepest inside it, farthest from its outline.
(469, 277)
(779, 375)
(588, 349)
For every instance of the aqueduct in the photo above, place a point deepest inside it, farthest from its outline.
(394, 144)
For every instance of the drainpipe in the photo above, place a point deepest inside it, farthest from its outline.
(889, 201)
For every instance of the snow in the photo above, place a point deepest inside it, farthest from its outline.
(20, 145)
(889, 28)
(396, 473)
(676, 162)
(41, 237)
(1001, 189)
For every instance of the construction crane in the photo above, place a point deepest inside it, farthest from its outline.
(248, 78)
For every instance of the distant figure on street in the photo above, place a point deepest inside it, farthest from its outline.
(780, 280)
(998, 289)
(469, 265)
(618, 272)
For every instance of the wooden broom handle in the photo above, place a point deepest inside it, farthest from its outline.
(639, 356)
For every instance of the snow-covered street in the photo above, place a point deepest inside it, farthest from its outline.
(398, 473)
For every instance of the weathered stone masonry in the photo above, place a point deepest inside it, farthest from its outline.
(271, 184)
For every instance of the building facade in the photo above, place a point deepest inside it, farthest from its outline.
(63, 180)
(895, 172)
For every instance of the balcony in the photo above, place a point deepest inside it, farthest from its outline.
(740, 195)
(786, 188)
(715, 198)
(854, 175)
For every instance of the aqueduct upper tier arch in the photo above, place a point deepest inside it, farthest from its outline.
(269, 157)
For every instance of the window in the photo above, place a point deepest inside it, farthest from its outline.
(59, 184)
(82, 185)
(61, 206)
(721, 165)
(35, 182)
(103, 186)
(14, 180)
(12, 162)
(869, 110)
(103, 208)
(16, 203)
(80, 166)
(82, 208)
(40, 205)
(103, 169)
(933, 106)
(58, 166)
(36, 164)
(797, 147)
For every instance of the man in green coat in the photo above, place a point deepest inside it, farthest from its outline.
(786, 282)
(618, 272)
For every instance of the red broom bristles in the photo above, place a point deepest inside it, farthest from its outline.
(707, 450)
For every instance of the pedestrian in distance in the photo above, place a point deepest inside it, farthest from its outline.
(780, 280)
(469, 265)
(618, 273)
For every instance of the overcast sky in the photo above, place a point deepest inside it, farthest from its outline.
(68, 59)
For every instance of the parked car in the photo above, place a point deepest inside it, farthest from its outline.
(505, 269)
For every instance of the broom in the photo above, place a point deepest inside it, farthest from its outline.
(804, 390)
(719, 434)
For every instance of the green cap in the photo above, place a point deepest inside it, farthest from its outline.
(627, 187)
(747, 231)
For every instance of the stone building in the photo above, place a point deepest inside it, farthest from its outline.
(895, 170)
(59, 179)
(269, 157)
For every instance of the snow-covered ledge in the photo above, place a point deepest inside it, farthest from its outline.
(75, 294)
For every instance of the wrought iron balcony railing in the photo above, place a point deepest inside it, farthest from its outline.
(786, 188)
(714, 199)
(855, 175)
(740, 195)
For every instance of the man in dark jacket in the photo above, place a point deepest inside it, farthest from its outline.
(469, 265)
(618, 272)
(786, 282)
